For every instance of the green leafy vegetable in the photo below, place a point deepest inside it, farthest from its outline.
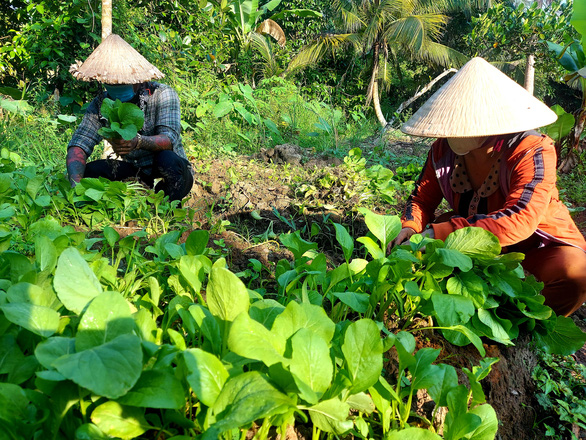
(125, 119)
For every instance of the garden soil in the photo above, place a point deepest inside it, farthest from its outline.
(245, 202)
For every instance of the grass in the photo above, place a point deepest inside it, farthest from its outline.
(276, 112)
(573, 187)
(37, 138)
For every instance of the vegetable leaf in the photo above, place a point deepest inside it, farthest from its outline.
(125, 119)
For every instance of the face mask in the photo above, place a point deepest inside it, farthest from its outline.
(123, 92)
(463, 146)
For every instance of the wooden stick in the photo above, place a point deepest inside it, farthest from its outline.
(407, 103)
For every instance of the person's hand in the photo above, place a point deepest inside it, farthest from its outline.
(428, 233)
(404, 236)
(425, 233)
(122, 147)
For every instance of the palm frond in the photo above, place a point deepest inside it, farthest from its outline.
(312, 53)
(384, 75)
(370, 88)
(375, 26)
(349, 15)
(442, 55)
(449, 6)
(399, 8)
(260, 43)
(415, 31)
(443, 6)
(263, 46)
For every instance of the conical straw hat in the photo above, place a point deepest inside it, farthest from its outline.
(479, 100)
(115, 61)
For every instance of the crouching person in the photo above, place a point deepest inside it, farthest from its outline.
(156, 152)
(497, 173)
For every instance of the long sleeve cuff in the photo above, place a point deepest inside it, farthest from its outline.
(442, 230)
(413, 225)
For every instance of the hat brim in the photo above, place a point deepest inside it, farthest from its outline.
(479, 100)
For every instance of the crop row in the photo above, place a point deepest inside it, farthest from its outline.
(103, 336)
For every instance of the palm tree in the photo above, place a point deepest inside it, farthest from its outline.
(380, 30)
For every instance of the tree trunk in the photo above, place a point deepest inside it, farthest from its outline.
(530, 73)
(376, 104)
(106, 18)
(108, 152)
(373, 76)
(372, 91)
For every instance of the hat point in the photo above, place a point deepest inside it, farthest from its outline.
(115, 61)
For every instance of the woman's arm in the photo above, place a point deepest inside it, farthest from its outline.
(424, 199)
(532, 182)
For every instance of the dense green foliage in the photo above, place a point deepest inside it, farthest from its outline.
(150, 313)
(147, 335)
(208, 41)
(382, 32)
(560, 381)
(510, 34)
(69, 306)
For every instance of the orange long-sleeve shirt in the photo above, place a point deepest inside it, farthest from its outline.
(522, 204)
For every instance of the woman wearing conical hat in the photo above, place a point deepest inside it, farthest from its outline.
(156, 152)
(498, 173)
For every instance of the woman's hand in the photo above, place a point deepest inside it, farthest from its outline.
(122, 147)
(403, 237)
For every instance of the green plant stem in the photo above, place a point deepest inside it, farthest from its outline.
(83, 406)
(129, 262)
(407, 409)
(397, 410)
(225, 337)
(434, 415)
(316, 433)
(386, 422)
(263, 432)
(393, 296)
(394, 412)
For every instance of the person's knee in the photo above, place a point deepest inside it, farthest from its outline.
(98, 168)
(110, 169)
(177, 178)
(575, 273)
(167, 160)
(571, 265)
(171, 167)
(562, 269)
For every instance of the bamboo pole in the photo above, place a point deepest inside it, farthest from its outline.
(530, 73)
(106, 18)
(106, 31)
